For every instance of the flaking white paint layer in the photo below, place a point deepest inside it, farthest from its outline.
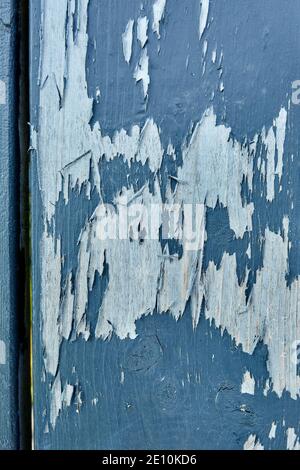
(158, 13)
(127, 37)
(141, 72)
(253, 443)
(272, 433)
(248, 384)
(292, 440)
(2, 353)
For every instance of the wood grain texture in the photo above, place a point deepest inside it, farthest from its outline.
(152, 339)
(9, 197)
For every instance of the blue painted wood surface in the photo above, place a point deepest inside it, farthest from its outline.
(216, 76)
(9, 220)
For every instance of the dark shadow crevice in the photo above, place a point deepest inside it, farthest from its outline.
(24, 277)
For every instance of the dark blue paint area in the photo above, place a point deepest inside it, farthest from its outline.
(174, 246)
(117, 174)
(222, 239)
(181, 390)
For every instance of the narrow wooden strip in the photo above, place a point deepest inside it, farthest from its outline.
(9, 227)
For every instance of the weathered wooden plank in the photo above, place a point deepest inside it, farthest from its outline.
(144, 338)
(9, 190)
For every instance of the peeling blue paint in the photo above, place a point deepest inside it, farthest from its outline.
(180, 387)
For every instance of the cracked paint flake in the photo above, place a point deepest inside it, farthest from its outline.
(204, 10)
(67, 395)
(280, 126)
(158, 13)
(274, 141)
(248, 384)
(205, 46)
(56, 400)
(2, 353)
(214, 55)
(127, 40)
(293, 442)
(60, 398)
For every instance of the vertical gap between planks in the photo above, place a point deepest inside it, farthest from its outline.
(24, 307)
